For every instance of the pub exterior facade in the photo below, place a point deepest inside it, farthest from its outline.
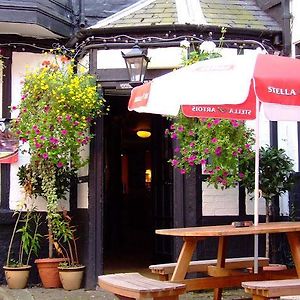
(129, 189)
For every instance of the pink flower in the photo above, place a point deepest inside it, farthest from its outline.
(174, 162)
(241, 175)
(46, 108)
(45, 156)
(214, 140)
(209, 125)
(218, 168)
(64, 132)
(59, 119)
(38, 145)
(68, 117)
(206, 150)
(60, 164)
(217, 121)
(218, 151)
(75, 123)
(182, 171)
(166, 131)
(234, 153)
(174, 136)
(53, 140)
(172, 127)
(42, 137)
(191, 133)
(192, 144)
(180, 128)
(177, 149)
(234, 123)
(247, 146)
(14, 108)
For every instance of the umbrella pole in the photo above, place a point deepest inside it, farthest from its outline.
(256, 185)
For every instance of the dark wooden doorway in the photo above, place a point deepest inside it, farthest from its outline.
(137, 189)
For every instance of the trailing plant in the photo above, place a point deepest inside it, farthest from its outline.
(26, 229)
(219, 146)
(57, 108)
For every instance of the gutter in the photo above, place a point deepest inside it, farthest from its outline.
(85, 33)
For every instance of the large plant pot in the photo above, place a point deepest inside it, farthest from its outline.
(17, 277)
(71, 277)
(48, 271)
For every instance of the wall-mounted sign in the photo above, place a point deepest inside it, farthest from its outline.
(8, 143)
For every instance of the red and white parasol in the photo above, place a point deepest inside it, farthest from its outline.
(232, 87)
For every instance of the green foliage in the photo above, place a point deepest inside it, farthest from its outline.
(26, 228)
(275, 173)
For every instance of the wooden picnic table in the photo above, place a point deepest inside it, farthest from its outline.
(219, 277)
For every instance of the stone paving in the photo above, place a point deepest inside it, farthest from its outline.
(38, 293)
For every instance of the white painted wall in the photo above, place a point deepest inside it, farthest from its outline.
(21, 62)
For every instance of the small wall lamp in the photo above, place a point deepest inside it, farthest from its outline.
(143, 133)
(136, 63)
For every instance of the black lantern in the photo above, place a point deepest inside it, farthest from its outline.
(136, 63)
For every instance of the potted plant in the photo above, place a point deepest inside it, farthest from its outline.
(70, 271)
(56, 111)
(275, 178)
(25, 230)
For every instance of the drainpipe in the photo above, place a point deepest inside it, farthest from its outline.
(286, 28)
(81, 20)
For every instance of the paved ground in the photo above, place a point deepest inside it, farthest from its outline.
(59, 294)
(37, 293)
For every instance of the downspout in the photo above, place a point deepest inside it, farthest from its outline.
(81, 20)
(286, 26)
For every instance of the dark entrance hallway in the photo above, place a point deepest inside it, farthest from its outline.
(128, 206)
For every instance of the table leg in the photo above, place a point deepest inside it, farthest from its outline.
(220, 263)
(294, 242)
(184, 259)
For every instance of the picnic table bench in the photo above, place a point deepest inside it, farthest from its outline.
(261, 290)
(137, 286)
(204, 266)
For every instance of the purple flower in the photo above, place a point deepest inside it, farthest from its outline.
(174, 162)
(174, 136)
(177, 149)
(42, 137)
(234, 123)
(53, 140)
(203, 161)
(218, 151)
(180, 128)
(241, 175)
(60, 164)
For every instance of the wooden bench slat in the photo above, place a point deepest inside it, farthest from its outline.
(273, 288)
(134, 285)
(202, 265)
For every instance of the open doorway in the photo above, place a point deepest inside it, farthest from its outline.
(128, 206)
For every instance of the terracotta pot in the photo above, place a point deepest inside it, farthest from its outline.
(71, 277)
(17, 277)
(48, 271)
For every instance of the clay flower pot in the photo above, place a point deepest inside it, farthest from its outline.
(71, 277)
(17, 277)
(48, 271)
